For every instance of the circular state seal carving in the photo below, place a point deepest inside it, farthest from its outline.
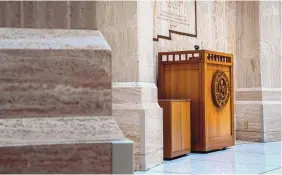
(220, 89)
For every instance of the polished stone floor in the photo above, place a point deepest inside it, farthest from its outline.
(243, 158)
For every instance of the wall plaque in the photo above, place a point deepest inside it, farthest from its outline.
(177, 17)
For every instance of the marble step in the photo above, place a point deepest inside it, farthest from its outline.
(68, 157)
(85, 144)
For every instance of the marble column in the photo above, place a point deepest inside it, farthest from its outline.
(127, 26)
(258, 91)
(56, 104)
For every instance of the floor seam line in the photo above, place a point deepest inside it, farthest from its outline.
(270, 170)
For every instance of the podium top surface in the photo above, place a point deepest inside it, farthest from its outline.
(195, 56)
(174, 100)
(197, 51)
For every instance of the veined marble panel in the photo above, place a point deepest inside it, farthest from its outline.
(117, 20)
(259, 136)
(146, 59)
(134, 93)
(143, 112)
(272, 95)
(58, 158)
(250, 113)
(129, 121)
(10, 14)
(248, 95)
(48, 14)
(248, 47)
(250, 136)
(81, 14)
(148, 161)
(270, 43)
(143, 126)
(54, 73)
(263, 120)
(272, 136)
(272, 117)
(52, 14)
(153, 130)
(51, 130)
(53, 39)
(240, 142)
(258, 94)
(139, 116)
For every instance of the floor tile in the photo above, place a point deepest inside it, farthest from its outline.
(209, 167)
(249, 158)
(263, 148)
(276, 171)
(239, 157)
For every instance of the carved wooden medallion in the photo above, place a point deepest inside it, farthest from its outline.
(220, 89)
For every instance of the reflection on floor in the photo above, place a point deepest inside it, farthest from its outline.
(244, 158)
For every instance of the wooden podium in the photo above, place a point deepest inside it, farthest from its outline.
(205, 77)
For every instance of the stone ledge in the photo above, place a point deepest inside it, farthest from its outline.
(49, 130)
(55, 39)
(249, 136)
(134, 93)
(144, 162)
(258, 136)
(57, 158)
(112, 157)
(143, 126)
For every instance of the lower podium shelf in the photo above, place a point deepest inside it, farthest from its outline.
(176, 127)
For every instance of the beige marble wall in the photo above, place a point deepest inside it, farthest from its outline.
(145, 44)
(248, 45)
(258, 71)
(216, 22)
(270, 56)
(270, 43)
(117, 20)
(215, 29)
(248, 113)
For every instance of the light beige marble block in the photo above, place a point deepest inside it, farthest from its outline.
(56, 104)
(52, 130)
(54, 73)
(139, 116)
